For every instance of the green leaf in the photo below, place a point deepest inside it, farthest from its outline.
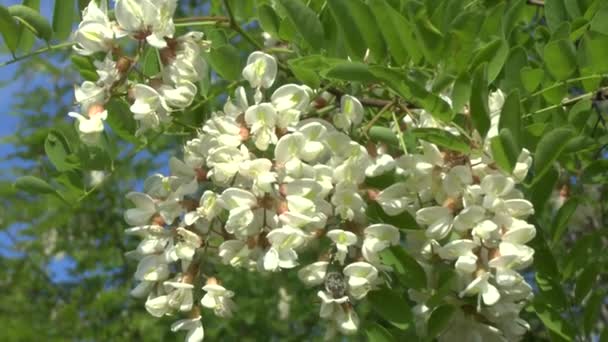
(555, 13)
(504, 150)
(531, 78)
(439, 320)
(549, 149)
(595, 173)
(377, 333)
(226, 62)
(351, 71)
(34, 185)
(410, 273)
(442, 138)
(120, 119)
(599, 23)
(63, 17)
(585, 281)
(384, 135)
(510, 117)
(306, 69)
(593, 54)
(368, 27)
(32, 20)
(560, 222)
(554, 321)
(592, 311)
(9, 29)
(495, 54)
(560, 59)
(351, 34)
(151, 63)
(269, 21)
(306, 22)
(58, 150)
(430, 38)
(461, 92)
(26, 38)
(397, 32)
(542, 188)
(579, 114)
(412, 91)
(391, 306)
(480, 112)
(511, 17)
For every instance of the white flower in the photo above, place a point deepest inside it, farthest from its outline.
(284, 242)
(290, 97)
(144, 209)
(149, 107)
(237, 105)
(313, 274)
(261, 70)
(524, 161)
(152, 268)
(395, 199)
(89, 94)
(381, 164)
(361, 277)
(342, 239)
(377, 238)
(149, 19)
(179, 295)
(462, 250)
(351, 113)
(258, 170)
(90, 127)
(241, 219)
(218, 299)
(154, 238)
(179, 96)
(186, 245)
(348, 202)
(225, 162)
(348, 322)
(193, 326)
(262, 120)
(330, 306)
(209, 207)
(457, 179)
(438, 219)
(234, 253)
(95, 33)
(480, 285)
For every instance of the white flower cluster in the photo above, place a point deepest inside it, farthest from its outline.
(474, 219)
(254, 188)
(148, 24)
(265, 179)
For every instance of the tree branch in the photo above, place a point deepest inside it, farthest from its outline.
(539, 3)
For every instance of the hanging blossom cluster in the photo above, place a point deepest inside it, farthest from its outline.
(474, 219)
(260, 183)
(119, 44)
(268, 178)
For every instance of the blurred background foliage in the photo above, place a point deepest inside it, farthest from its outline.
(64, 275)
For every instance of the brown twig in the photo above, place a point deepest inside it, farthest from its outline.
(539, 3)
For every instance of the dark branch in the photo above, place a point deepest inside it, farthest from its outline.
(540, 3)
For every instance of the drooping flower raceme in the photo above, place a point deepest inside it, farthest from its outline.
(264, 181)
(147, 24)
